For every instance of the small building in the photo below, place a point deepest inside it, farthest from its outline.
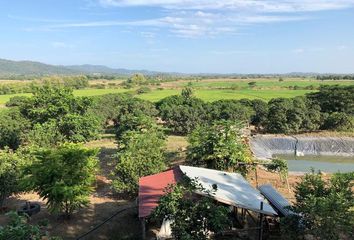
(232, 189)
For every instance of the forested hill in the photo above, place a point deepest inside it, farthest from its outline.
(16, 68)
(8, 68)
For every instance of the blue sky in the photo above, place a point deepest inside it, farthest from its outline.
(192, 36)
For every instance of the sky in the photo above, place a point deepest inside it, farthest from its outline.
(190, 36)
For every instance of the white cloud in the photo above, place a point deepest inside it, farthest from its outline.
(255, 5)
(200, 18)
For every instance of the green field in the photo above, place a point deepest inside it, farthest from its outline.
(81, 93)
(216, 89)
(260, 83)
(217, 94)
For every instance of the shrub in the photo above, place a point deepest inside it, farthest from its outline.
(44, 135)
(60, 106)
(231, 110)
(219, 146)
(338, 121)
(140, 154)
(63, 176)
(192, 217)
(12, 127)
(17, 101)
(182, 114)
(10, 174)
(325, 206)
(19, 229)
(143, 90)
(140, 123)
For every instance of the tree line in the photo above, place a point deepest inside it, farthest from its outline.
(335, 77)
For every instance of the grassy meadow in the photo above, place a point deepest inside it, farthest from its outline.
(212, 89)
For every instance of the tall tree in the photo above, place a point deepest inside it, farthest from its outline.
(219, 146)
(63, 176)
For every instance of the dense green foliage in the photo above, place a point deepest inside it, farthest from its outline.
(12, 127)
(140, 123)
(335, 99)
(19, 229)
(44, 135)
(115, 107)
(10, 174)
(183, 113)
(232, 110)
(140, 153)
(70, 114)
(329, 109)
(335, 77)
(292, 115)
(219, 146)
(135, 80)
(63, 176)
(325, 207)
(192, 216)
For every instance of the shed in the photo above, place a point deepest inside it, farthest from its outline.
(232, 189)
(152, 187)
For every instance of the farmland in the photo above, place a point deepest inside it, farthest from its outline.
(210, 89)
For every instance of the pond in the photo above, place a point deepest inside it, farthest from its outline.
(329, 164)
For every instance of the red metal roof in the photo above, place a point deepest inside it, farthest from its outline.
(152, 187)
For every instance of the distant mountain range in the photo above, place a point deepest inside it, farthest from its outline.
(32, 68)
(13, 68)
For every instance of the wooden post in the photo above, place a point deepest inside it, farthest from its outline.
(256, 173)
(143, 228)
(287, 182)
(260, 234)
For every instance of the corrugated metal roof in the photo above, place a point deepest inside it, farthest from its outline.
(232, 188)
(152, 187)
(276, 199)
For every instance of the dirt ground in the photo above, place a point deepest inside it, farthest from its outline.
(104, 204)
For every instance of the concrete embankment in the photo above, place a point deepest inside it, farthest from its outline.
(265, 146)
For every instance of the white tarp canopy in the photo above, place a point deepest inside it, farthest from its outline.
(232, 188)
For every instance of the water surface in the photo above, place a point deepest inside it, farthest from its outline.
(330, 164)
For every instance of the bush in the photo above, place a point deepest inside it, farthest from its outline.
(339, 121)
(63, 176)
(44, 135)
(12, 127)
(140, 123)
(231, 110)
(79, 128)
(19, 229)
(193, 218)
(140, 154)
(325, 207)
(292, 115)
(334, 98)
(260, 109)
(220, 147)
(182, 114)
(17, 101)
(10, 174)
(143, 90)
(60, 106)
